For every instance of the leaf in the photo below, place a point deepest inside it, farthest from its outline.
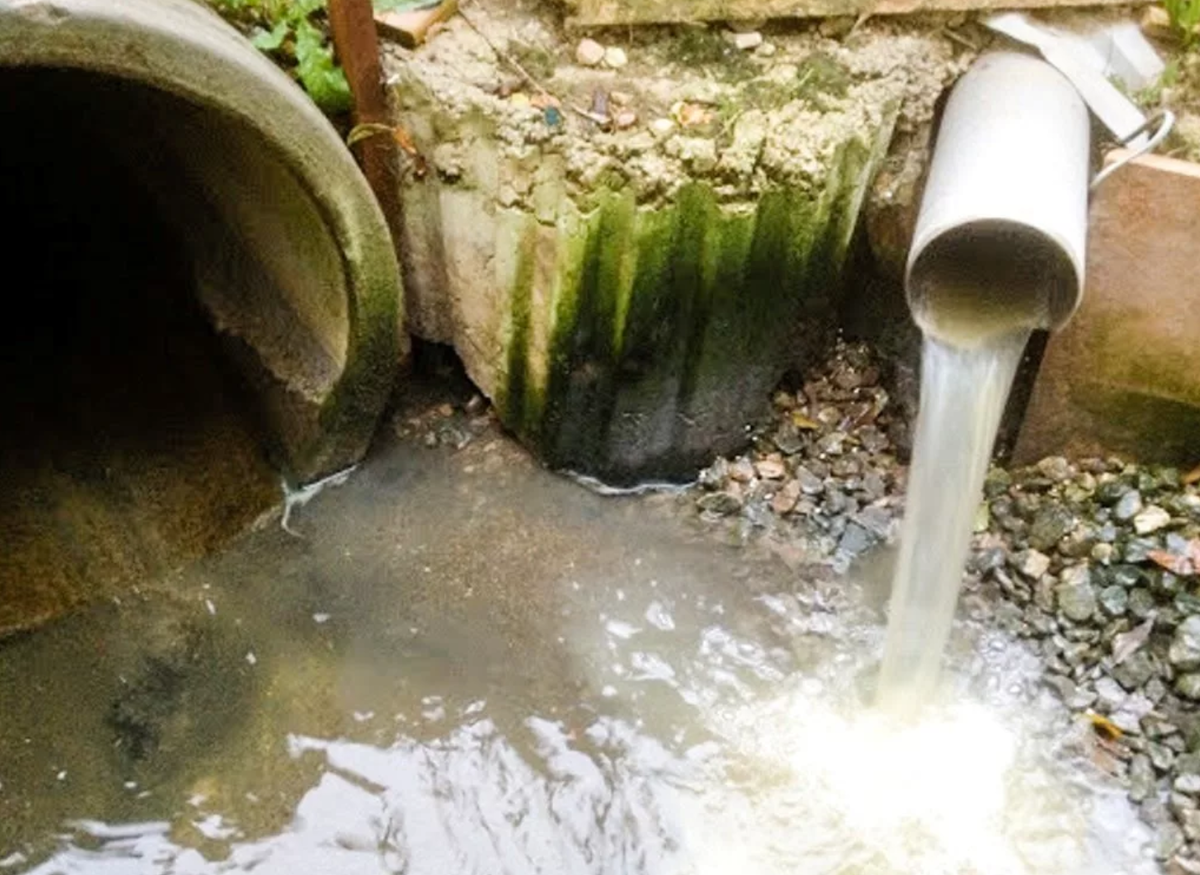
(1128, 643)
(323, 79)
(1104, 726)
(1181, 565)
(270, 40)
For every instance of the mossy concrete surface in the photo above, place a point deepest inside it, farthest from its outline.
(1123, 377)
(629, 296)
(291, 253)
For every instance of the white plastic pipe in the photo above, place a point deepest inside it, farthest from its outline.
(1001, 236)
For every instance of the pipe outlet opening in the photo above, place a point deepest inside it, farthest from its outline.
(991, 277)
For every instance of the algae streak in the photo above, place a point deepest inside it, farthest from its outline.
(671, 324)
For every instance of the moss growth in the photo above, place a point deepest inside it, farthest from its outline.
(819, 75)
(703, 48)
(674, 325)
(538, 62)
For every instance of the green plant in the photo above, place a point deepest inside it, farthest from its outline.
(292, 33)
(1184, 16)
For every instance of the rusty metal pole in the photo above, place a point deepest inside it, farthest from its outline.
(357, 47)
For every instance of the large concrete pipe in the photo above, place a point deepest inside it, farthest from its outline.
(201, 292)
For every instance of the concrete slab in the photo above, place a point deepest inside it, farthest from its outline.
(1123, 377)
(600, 13)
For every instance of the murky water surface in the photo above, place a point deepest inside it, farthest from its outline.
(467, 665)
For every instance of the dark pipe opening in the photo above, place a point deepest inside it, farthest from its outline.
(128, 443)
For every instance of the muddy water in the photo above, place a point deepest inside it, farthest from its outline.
(466, 665)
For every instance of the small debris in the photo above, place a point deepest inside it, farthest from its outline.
(624, 119)
(589, 53)
(615, 57)
(745, 41)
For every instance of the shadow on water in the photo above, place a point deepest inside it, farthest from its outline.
(464, 664)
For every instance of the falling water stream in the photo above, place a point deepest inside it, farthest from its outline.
(963, 390)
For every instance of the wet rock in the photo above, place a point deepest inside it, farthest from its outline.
(784, 501)
(787, 438)
(1139, 549)
(855, 540)
(1188, 686)
(1075, 594)
(1150, 520)
(1141, 777)
(1050, 525)
(741, 470)
(1114, 600)
(1168, 841)
(1111, 694)
(1187, 783)
(1134, 672)
(720, 503)
(715, 475)
(1056, 468)
(770, 469)
(1142, 603)
(810, 484)
(1184, 652)
(1128, 505)
(1111, 491)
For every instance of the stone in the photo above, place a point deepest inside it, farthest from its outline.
(1110, 693)
(1128, 505)
(720, 503)
(1031, 563)
(784, 501)
(626, 118)
(1056, 468)
(1049, 526)
(614, 58)
(1184, 652)
(770, 469)
(741, 470)
(745, 41)
(855, 540)
(1188, 685)
(810, 484)
(1075, 594)
(1188, 783)
(1141, 777)
(1135, 671)
(1114, 600)
(589, 53)
(1150, 520)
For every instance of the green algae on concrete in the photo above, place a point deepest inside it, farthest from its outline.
(628, 296)
(670, 324)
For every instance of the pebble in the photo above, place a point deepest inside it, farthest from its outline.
(1076, 595)
(1184, 652)
(1150, 520)
(1128, 505)
(1032, 563)
(626, 118)
(722, 503)
(745, 41)
(1050, 525)
(589, 53)
(1188, 685)
(1114, 600)
(771, 469)
(615, 57)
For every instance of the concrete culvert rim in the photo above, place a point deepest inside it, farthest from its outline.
(293, 259)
